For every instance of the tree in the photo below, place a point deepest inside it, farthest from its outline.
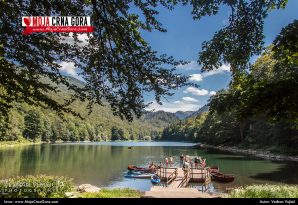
(116, 62)
(12, 129)
(241, 38)
(33, 125)
(271, 87)
(47, 130)
(83, 133)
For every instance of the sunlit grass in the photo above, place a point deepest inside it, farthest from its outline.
(114, 193)
(265, 191)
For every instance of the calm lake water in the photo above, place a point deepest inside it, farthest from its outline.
(104, 163)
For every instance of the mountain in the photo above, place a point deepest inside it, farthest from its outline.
(181, 115)
(194, 114)
(185, 129)
(101, 124)
(160, 119)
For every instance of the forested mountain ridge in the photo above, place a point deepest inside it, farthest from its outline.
(35, 123)
(181, 115)
(205, 108)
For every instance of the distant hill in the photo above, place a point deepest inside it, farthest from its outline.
(181, 115)
(194, 114)
(159, 119)
(184, 130)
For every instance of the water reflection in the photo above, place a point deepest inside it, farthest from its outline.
(104, 164)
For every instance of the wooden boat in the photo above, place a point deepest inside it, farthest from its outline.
(138, 176)
(214, 169)
(220, 177)
(135, 172)
(135, 168)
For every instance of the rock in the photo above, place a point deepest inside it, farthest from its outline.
(71, 194)
(88, 188)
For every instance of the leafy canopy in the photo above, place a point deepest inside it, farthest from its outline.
(116, 63)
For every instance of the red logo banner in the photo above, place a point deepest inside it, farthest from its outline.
(38, 29)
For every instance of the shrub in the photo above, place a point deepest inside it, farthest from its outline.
(265, 191)
(40, 186)
(113, 193)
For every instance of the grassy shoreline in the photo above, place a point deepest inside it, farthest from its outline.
(45, 186)
(265, 191)
(263, 154)
(7, 144)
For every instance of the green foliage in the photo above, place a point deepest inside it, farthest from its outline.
(114, 193)
(271, 87)
(241, 38)
(265, 191)
(34, 123)
(40, 186)
(260, 105)
(286, 44)
(117, 64)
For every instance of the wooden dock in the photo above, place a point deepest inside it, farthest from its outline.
(175, 177)
(176, 180)
(161, 192)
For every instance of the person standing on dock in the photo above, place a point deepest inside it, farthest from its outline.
(196, 162)
(171, 161)
(181, 160)
(166, 161)
(203, 163)
(187, 158)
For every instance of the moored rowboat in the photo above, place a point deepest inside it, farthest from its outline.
(214, 169)
(138, 176)
(135, 168)
(220, 177)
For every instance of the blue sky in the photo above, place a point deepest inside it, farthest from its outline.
(183, 41)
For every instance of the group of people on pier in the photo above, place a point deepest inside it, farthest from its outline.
(186, 162)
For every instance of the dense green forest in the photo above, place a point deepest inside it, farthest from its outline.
(35, 123)
(260, 107)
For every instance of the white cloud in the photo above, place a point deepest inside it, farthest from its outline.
(174, 107)
(192, 65)
(222, 69)
(68, 67)
(196, 77)
(189, 99)
(212, 92)
(82, 37)
(196, 91)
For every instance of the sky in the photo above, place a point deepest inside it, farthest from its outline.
(183, 41)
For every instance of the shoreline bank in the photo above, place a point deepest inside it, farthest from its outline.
(249, 152)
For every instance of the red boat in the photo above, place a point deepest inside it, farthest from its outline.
(214, 169)
(135, 168)
(220, 177)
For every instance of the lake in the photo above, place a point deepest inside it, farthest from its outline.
(104, 164)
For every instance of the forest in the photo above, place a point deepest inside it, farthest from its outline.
(38, 102)
(27, 122)
(260, 107)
